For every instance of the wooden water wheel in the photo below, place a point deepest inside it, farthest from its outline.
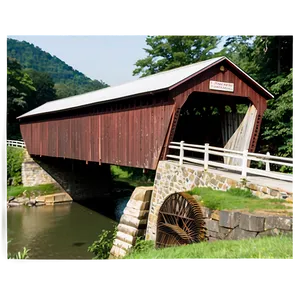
(180, 221)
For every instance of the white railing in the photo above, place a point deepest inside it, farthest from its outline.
(243, 156)
(13, 143)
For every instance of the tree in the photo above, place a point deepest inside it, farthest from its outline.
(19, 89)
(277, 135)
(19, 85)
(268, 59)
(169, 52)
(44, 86)
(65, 90)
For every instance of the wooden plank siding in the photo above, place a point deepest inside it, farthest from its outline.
(127, 138)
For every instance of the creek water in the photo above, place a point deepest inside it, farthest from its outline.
(62, 231)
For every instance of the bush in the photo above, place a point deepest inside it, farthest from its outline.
(102, 246)
(14, 165)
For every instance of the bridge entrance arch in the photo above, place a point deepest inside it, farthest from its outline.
(210, 118)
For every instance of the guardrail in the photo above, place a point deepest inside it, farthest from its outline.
(14, 143)
(243, 156)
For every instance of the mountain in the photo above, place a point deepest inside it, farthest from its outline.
(68, 82)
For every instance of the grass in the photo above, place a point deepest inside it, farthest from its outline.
(266, 247)
(133, 176)
(33, 191)
(235, 199)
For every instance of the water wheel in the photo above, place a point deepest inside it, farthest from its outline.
(180, 221)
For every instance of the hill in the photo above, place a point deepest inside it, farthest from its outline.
(67, 81)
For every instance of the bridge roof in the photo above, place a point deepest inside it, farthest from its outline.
(154, 83)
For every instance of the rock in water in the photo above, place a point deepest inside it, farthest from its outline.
(13, 204)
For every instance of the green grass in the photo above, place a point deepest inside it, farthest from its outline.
(133, 176)
(235, 199)
(266, 247)
(43, 189)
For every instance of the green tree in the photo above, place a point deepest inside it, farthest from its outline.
(169, 52)
(268, 59)
(19, 90)
(65, 90)
(277, 135)
(44, 86)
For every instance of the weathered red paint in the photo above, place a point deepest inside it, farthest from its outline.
(133, 132)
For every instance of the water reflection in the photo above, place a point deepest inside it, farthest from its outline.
(60, 231)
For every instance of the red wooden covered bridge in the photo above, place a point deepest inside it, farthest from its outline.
(132, 124)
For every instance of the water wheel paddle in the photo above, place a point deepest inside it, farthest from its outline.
(180, 221)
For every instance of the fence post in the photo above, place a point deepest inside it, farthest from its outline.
(206, 156)
(244, 163)
(267, 162)
(181, 153)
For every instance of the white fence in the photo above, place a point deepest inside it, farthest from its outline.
(243, 156)
(13, 143)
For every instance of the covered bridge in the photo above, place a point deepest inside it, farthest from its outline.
(132, 124)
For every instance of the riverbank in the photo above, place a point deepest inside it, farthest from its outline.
(46, 194)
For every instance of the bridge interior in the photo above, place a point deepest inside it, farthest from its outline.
(210, 118)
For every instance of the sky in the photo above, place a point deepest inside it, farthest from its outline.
(107, 58)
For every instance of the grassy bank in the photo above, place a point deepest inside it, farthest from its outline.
(33, 191)
(235, 199)
(133, 176)
(266, 247)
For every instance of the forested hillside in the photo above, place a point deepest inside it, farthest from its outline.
(67, 81)
(35, 77)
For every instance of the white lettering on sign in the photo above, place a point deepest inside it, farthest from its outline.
(221, 86)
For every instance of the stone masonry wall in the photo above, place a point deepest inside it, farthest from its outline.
(233, 225)
(133, 222)
(171, 178)
(33, 174)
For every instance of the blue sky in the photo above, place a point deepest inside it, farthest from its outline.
(107, 58)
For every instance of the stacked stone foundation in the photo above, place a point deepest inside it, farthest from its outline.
(33, 174)
(133, 222)
(233, 225)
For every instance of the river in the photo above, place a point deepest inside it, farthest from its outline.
(62, 231)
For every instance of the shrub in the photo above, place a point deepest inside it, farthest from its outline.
(14, 165)
(102, 246)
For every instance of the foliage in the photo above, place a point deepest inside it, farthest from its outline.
(19, 85)
(44, 86)
(14, 165)
(134, 176)
(19, 255)
(169, 52)
(141, 246)
(235, 199)
(101, 247)
(278, 118)
(33, 191)
(19, 90)
(265, 247)
(32, 57)
(268, 59)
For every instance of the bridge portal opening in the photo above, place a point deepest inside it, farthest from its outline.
(210, 118)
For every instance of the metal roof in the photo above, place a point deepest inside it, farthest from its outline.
(157, 82)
